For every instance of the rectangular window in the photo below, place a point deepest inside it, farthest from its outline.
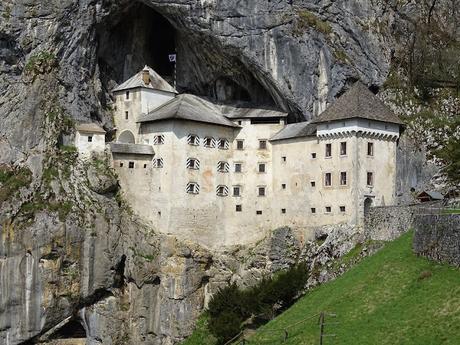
(261, 191)
(328, 209)
(127, 95)
(313, 210)
(283, 159)
(283, 210)
(223, 144)
(262, 167)
(343, 148)
(328, 150)
(158, 163)
(192, 163)
(370, 149)
(370, 178)
(131, 165)
(145, 166)
(121, 164)
(236, 191)
(313, 183)
(283, 185)
(239, 123)
(258, 212)
(313, 155)
(342, 209)
(126, 115)
(193, 139)
(90, 138)
(223, 167)
(239, 208)
(262, 144)
(222, 190)
(159, 139)
(209, 142)
(343, 178)
(328, 179)
(238, 167)
(240, 144)
(192, 188)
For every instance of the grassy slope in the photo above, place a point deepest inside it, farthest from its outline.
(383, 300)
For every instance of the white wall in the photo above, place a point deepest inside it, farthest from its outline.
(85, 147)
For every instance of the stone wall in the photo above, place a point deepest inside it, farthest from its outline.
(437, 237)
(386, 223)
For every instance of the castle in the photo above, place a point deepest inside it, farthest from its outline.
(224, 175)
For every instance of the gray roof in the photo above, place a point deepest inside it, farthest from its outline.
(358, 102)
(90, 127)
(295, 130)
(156, 82)
(250, 113)
(432, 194)
(188, 107)
(137, 149)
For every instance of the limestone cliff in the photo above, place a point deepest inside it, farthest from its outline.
(70, 248)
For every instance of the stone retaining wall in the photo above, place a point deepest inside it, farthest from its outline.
(438, 237)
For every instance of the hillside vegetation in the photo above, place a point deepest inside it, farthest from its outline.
(393, 297)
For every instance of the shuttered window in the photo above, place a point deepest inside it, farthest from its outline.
(158, 163)
(222, 190)
(193, 188)
(223, 144)
(159, 139)
(193, 139)
(223, 167)
(193, 163)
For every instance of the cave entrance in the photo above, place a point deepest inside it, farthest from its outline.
(71, 333)
(134, 38)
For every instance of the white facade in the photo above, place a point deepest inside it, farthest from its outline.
(89, 138)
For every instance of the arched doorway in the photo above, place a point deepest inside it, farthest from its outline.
(367, 206)
(126, 137)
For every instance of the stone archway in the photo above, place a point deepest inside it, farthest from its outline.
(367, 206)
(126, 137)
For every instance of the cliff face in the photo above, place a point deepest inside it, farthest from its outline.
(69, 245)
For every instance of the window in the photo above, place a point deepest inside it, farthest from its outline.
(193, 164)
(343, 178)
(239, 208)
(313, 155)
(90, 138)
(370, 178)
(236, 190)
(223, 144)
(328, 209)
(262, 167)
(121, 164)
(342, 209)
(328, 179)
(262, 144)
(370, 149)
(328, 150)
(126, 115)
(158, 163)
(223, 167)
(313, 183)
(240, 144)
(343, 148)
(283, 210)
(192, 188)
(238, 167)
(145, 166)
(159, 139)
(127, 95)
(131, 165)
(240, 122)
(261, 191)
(283, 159)
(259, 212)
(193, 139)
(209, 142)
(313, 210)
(283, 185)
(222, 190)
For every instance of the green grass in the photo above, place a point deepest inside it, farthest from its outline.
(392, 297)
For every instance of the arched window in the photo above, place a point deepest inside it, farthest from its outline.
(193, 163)
(126, 137)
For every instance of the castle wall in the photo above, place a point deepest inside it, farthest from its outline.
(85, 147)
(132, 105)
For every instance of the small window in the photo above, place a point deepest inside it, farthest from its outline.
(328, 150)
(236, 191)
(127, 95)
(193, 164)
(238, 208)
(370, 149)
(240, 144)
(342, 209)
(313, 155)
(90, 138)
(258, 212)
(283, 159)
(328, 209)
(313, 210)
(131, 165)
(158, 163)
(238, 167)
(121, 164)
(209, 142)
(193, 139)
(159, 213)
(262, 144)
(159, 139)
(223, 144)
(262, 168)
(126, 115)
(313, 183)
(261, 191)
(370, 178)
(283, 210)
(223, 167)
(239, 123)
(283, 185)
(343, 148)
(327, 179)
(343, 178)
(192, 188)
(222, 190)
(145, 166)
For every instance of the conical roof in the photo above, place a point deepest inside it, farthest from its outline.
(156, 82)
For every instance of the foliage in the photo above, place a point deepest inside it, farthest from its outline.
(201, 334)
(307, 19)
(231, 306)
(13, 179)
(40, 63)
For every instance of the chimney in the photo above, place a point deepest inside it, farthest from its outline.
(146, 75)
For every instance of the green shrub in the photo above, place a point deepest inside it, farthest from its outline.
(11, 180)
(307, 19)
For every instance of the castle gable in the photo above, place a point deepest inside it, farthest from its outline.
(147, 78)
